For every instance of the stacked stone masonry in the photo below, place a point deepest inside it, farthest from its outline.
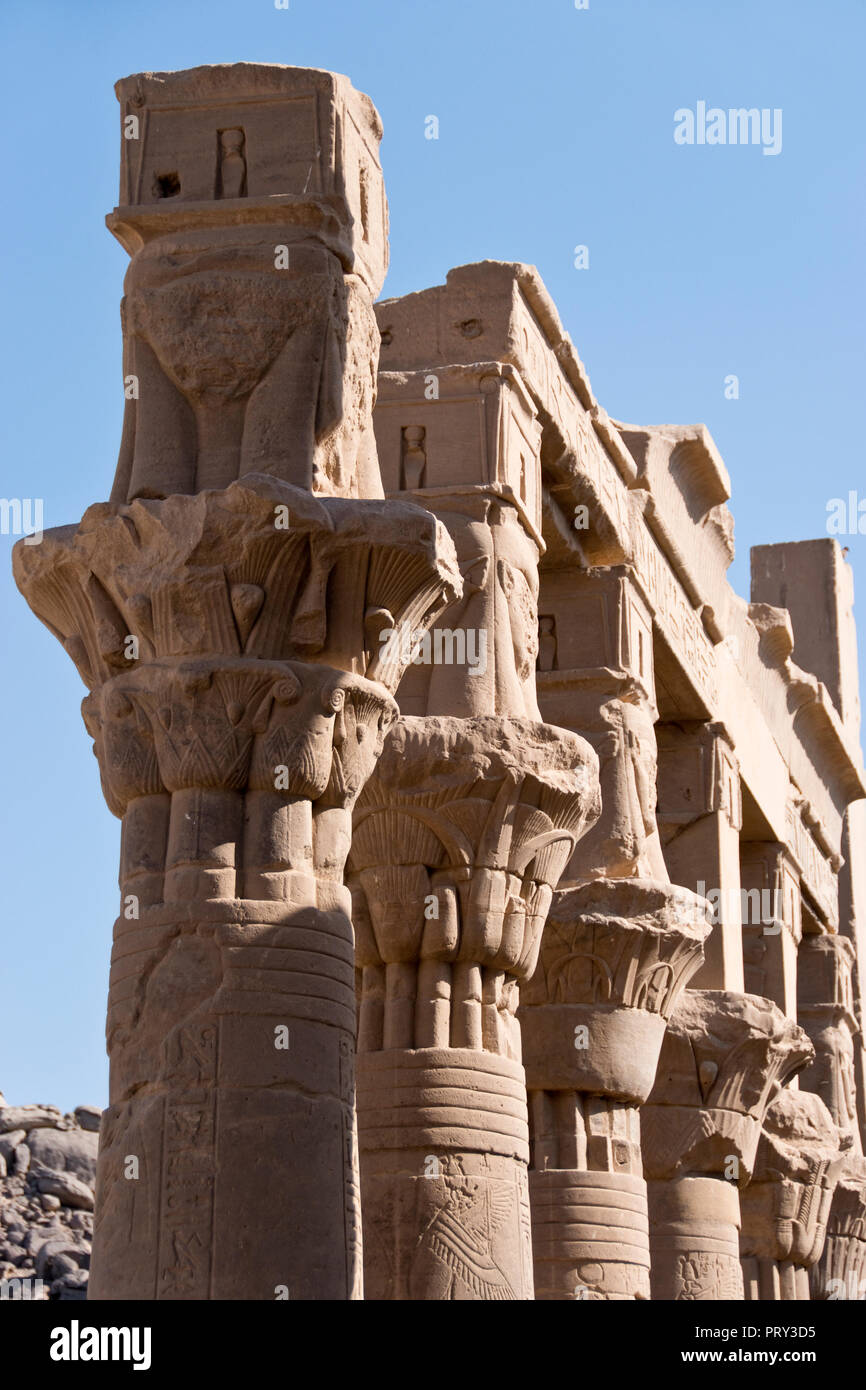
(492, 903)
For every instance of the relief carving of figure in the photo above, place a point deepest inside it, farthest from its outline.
(455, 1259)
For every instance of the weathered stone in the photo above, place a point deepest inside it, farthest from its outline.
(9, 1143)
(37, 1236)
(459, 840)
(71, 1150)
(825, 1006)
(259, 356)
(56, 1257)
(615, 956)
(29, 1117)
(70, 1288)
(228, 624)
(71, 1190)
(470, 665)
(723, 1058)
(88, 1117)
(787, 1202)
(840, 1270)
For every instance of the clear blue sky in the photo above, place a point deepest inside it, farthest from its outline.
(556, 129)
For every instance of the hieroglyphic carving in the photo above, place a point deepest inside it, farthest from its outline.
(229, 626)
(677, 618)
(352, 1176)
(444, 1150)
(456, 1257)
(705, 1276)
(189, 1163)
(817, 870)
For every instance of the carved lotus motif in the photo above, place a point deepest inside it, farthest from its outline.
(263, 569)
(123, 744)
(491, 808)
(631, 942)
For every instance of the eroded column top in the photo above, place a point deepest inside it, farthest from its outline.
(261, 140)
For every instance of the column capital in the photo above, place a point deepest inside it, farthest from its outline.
(840, 1272)
(459, 839)
(615, 957)
(479, 816)
(723, 1058)
(263, 570)
(232, 723)
(798, 1162)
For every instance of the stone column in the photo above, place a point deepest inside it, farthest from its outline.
(723, 1058)
(234, 768)
(592, 1019)
(459, 840)
(596, 676)
(700, 817)
(785, 1206)
(772, 922)
(840, 1271)
(228, 625)
(825, 1008)
(622, 943)
(471, 456)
